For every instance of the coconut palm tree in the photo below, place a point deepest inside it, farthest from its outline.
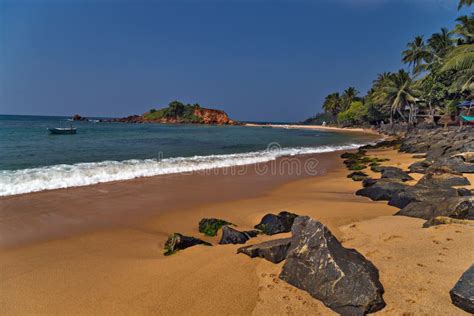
(466, 3)
(465, 29)
(461, 61)
(333, 104)
(400, 93)
(440, 44)
(416, 55)
(349, 95)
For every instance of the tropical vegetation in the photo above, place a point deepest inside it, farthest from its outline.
(440, 73)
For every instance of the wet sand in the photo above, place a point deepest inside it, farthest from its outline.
(117, 267)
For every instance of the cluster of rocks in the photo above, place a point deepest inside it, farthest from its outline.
(269, 225)
(315, 261)
(438, 197)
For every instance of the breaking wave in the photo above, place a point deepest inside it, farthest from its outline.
(81, 174)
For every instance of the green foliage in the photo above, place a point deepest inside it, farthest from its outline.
(175, 110)
(319, 118)
(210, 226)
(355, 114)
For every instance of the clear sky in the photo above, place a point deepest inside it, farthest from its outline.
(257, 60)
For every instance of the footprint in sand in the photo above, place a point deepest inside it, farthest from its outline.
(421, 265)
(410, 301)
(272, 275)
(436, 242)
(458, 231)
(449, 239)
(270, 286)
(388, 258)
(286, 298)
(275, 280)
(440, 261)
(263, 275)
(392, 237)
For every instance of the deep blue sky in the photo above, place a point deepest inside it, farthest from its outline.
(257, 60)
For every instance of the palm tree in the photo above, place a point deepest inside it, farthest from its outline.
(349, 95)
(416, 55)
(461, 61)
(439, 44)
(332, 104)
(465, 29)
(400, 93)
(462, 3)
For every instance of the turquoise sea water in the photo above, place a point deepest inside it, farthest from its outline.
(32, 160)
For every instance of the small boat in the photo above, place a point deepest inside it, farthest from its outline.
(62, 130)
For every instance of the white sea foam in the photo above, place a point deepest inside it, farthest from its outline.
(81, 174)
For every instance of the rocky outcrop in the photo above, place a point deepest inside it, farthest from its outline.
(210, 226)
(382, 190)
(210, 116)
(395, 173)
(341, 278)
(179, 113)
(272, 224)
(462, 295)
(454, 207)
(443, 180)
(77, 117)
(233, 236)
(177, 242)
(274, 250)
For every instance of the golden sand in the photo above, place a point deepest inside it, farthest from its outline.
(119, 268)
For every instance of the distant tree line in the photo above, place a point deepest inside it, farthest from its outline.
(441, 74)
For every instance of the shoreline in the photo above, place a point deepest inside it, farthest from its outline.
(318, 127)
(121, 269)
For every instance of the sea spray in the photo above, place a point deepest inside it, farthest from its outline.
(59, 176)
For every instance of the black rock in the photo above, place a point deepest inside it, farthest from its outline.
(357, 175)
(454, 207)
(273, 250)
(382, 190)
(233, 236)
(443, 180)
(341, 278)
(367, 182)
(177, 242)
(417, 193)
(419, 166)
(210, 226)
(462, 294)
(272, 224)
(395, 173)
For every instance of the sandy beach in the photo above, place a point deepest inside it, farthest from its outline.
(98, 249)
(316, 127)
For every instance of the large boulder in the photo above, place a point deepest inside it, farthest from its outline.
(210, 226)
(382, 190)
(341, 278)
(177, 242)
(272, 224)
(419, 166)
(233, 236)
(418, 193)
(443, 180)
(462, 295)
(274, 250)
(454, 207)
(395, 173)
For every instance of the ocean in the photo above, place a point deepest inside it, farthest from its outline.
(32, 160)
